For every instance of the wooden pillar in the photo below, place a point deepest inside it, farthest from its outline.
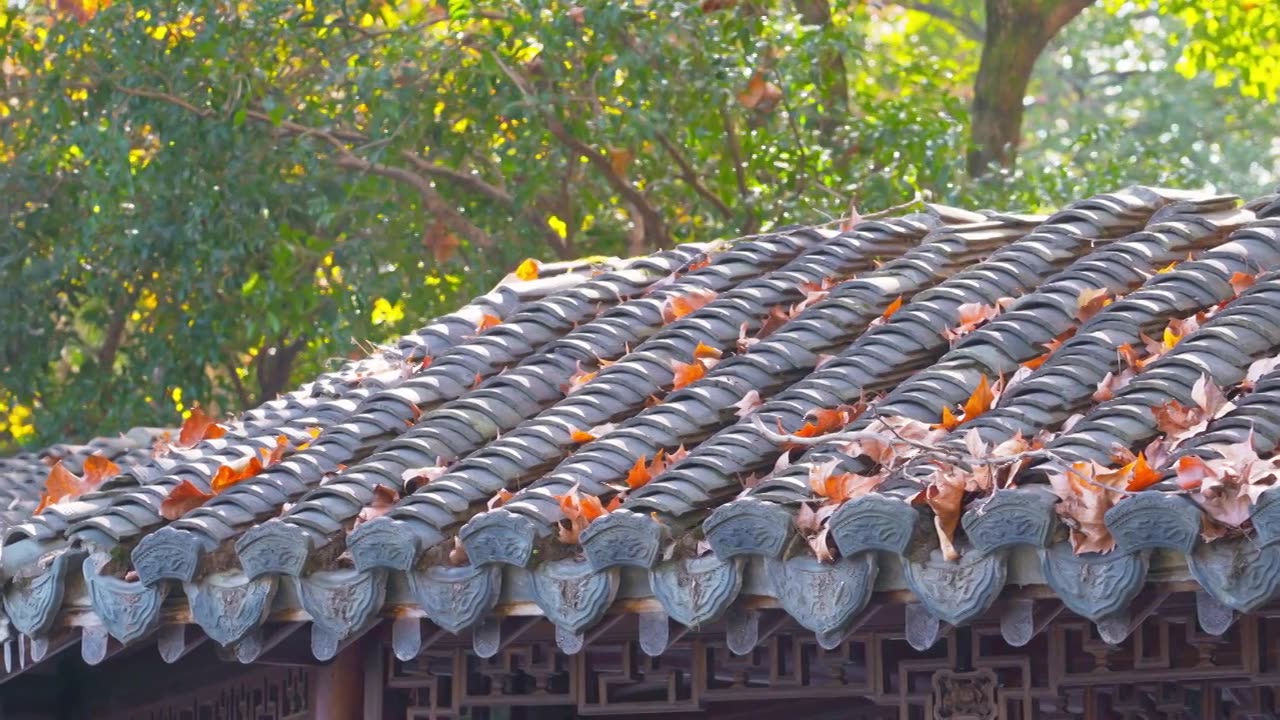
(340, 686)
(375, 676)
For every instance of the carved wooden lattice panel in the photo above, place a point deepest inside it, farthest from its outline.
(272, 694)
(1166, 669)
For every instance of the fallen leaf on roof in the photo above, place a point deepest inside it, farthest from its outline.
(1140, 475)
(776, 318)
(1091, 302)
(643, 471)
(704, 351)
(813, 528)
(1083, 506)
(686, 374)
(1180, 422)
(824, 421)
(1256, 370)
(528, 270)
(579, 512)
(970, 317)
(499, 499)
(748, 404)
(198, 427)
(234, 473)
(677, 306)
(581, 436)
(276, 453)
(182, 499)
(839, 487)
(415, 478)
(384, 498)
(487, 321)
(1242, 281)
(980, 401)
(62, 484)
(946, 499)
(813, 293)
(578, 379)
(893, 307)
(703, 261)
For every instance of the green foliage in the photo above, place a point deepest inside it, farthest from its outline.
(215, 200)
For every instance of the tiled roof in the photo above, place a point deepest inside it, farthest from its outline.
(480, 429)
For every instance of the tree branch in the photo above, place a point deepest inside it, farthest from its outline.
(691, 176)
(739, 170)
(115, 330)
(1062, 13)
(241, 393)
(655, 228)
(432, 200)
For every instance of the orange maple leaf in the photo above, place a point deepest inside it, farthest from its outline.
(980, 401)
(500, 498)
(643, 471)
(591, 508)
(579, 511)
(229, 475)
(687, 373)
(893, 307)
(983, 397)
(1242, 281)
(678, 306)
(197, 427)
(706, 351)
(701, 262)
(97, 469)
(1035, 362)
(487, 321)
(824, 421)
(970, 317)
(182, 499)
(62, 484)
(1141, 475)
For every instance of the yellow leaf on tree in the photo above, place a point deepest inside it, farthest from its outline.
(558, 226)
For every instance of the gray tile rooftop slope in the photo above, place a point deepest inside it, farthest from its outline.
(595, 349)
(22, 476)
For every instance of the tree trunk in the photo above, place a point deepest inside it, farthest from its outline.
(1017, 32)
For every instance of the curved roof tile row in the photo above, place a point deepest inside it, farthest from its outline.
(475, 476)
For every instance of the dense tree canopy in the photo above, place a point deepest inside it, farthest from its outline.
(211, 200)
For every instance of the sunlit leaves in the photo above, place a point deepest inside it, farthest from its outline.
(187, 199)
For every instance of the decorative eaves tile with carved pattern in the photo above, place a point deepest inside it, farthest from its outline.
(945, 402)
